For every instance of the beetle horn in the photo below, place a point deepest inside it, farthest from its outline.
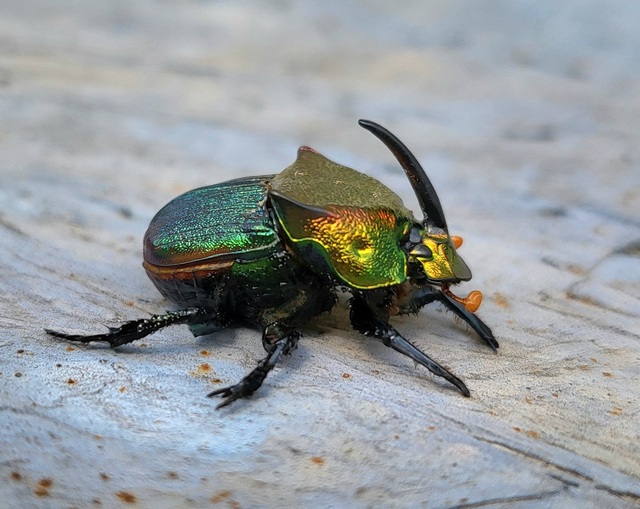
(422, 186)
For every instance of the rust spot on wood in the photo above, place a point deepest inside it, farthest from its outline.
(500, 300)
(583, 298)
(126, 497)
(576, 269)
(203, 370)
(42, 490)
(220, 496)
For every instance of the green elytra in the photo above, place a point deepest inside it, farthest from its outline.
(213, 223)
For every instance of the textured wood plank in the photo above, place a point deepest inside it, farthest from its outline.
(524, 115)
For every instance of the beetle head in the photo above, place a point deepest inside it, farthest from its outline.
(430, 243)
(435, 251)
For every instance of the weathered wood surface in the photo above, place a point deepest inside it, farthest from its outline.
(526, 117)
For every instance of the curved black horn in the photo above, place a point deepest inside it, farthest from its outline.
(422, 186)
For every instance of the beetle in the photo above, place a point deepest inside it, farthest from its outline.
(271, 252)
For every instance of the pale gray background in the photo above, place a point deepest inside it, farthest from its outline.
(525, 114)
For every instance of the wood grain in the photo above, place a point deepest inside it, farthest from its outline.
(524, 117)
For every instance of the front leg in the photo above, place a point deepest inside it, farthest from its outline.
(471, 319)
(423, 297)
(366, 321)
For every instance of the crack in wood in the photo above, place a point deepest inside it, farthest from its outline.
(509, 500)
(603, 487)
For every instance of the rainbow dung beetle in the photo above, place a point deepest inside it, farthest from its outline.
(271, 252)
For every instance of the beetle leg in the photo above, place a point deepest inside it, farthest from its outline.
(252, 382)
(419, 300)
(365, 320)
(136, 329)
(424, 297)
(470, 318)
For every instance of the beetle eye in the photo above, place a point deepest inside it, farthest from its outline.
(414, 236)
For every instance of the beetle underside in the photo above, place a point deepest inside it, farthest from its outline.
(369, 314)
